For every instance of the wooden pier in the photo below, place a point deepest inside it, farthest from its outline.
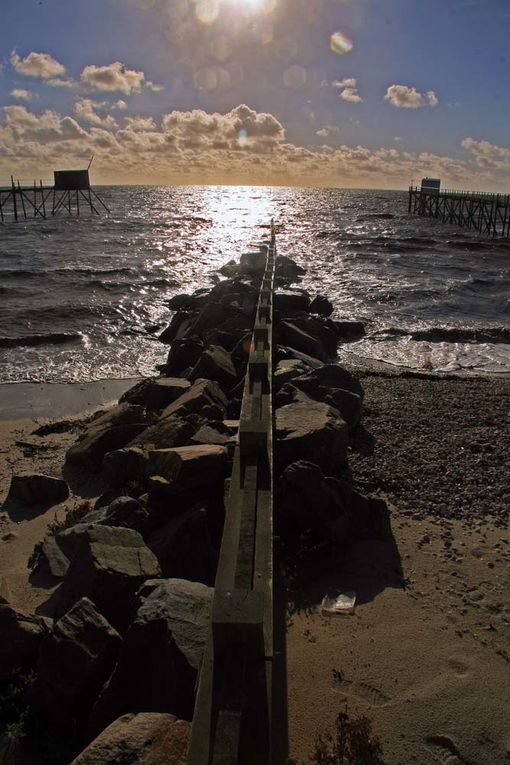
(482, 211)
(70, 193)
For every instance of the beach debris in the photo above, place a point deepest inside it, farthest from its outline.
(36, 489)
(336, 605)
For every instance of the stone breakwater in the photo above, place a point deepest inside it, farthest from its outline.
(118, 650)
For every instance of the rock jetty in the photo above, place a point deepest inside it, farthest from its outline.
(117, 654)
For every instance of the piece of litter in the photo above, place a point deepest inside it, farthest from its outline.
(343, 603)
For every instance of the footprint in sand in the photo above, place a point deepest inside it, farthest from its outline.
(444, 751)
(458, 667)
(363, 691)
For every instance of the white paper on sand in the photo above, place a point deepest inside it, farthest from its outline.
(343, 603)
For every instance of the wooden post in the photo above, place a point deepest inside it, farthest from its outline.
(14, 199)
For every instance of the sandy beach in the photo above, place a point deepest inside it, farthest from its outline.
(425, 655)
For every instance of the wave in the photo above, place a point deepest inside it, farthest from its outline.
(451, 334)
(52, 338)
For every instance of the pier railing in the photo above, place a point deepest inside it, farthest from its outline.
(21, 200)
(483, 211)
(233, 718)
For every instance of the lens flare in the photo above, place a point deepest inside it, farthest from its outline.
(340, 43)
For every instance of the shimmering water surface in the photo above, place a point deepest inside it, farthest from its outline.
(83, 298)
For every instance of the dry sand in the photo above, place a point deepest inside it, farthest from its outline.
(426, 654)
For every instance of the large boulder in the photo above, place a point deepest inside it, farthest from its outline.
(287, 301)
(20, 637)
(36, 489)
(287, 269)
(147, 738)
(156, 392)
(211, 315)
(126, 512)
(321, 306)
(321, 329)
(289, 334)
(311, 428)
(183, 547)
(336, 387)
(183, 355)
(286, 370)
(215, 364)
(330, 376)
(122, 466)
(174, 622)
(181, 322)
(203, 395)
(188, 468)
(169, 431)
(108, 565)
(74, 662)
(112, 430)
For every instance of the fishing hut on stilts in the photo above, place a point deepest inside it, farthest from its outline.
(70, 193)
(480, 210)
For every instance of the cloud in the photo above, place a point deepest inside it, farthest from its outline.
(37, 65)
(86, 109)
(140, 123)
(327, 130)
(119, 105)
(116, 77)
(20, 94)
(348, 90)
(404, 97)
(487, 154)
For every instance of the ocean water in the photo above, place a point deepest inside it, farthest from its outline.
(84, 298)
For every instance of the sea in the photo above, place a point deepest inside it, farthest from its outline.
(84, 299)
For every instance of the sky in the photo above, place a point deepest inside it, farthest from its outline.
(335, 93)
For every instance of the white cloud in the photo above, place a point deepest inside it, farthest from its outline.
(140, 123)
(404, 97)
(119, 105)
(37, 65)
(488, 154)
(20, 94)
(56, 83)
(348, 90)
(86, 109)
(327, 130)
(116, 77)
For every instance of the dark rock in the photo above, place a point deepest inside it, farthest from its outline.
(183, 354)
(288, 269)
(124, 466)
(216, 435)
(321, 305)
(108, 564)
(21, 635)
(241, 302)
(51, 559)
(229, 332)
(287, 301)
(212, 315)
(323, 330)
(330, 376)
(112, 430)
(164, 390)
(350, 330)
(147, 738)
(314, 428)
(123, 511)
(181, 323)
(286, 370)
(203, 393)
(285, 353)
(167, 432)
(183, 302)
(174, 622)
(253, 262)
(183, 547)
(74, 662)
(215, 364)
(289, 334)
(138, 393)
(187, 468)
(36, 489)
(241, 349)
(232, 286)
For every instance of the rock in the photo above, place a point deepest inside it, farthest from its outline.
(350, 330)
(187, 468)
(124, 466)
(138, 393)
(147, 738)
(108, 564)
(74, 662)
(111, 431)
(289, 334)
(21, 635)
(157, 392)
(321, 305)
(202, 394)
(184, 302)
(288, 269)
(174, 622)
(228, 334)
(286, 370)
(181, 323)
(348, 403)
(287, 301)
(36, 489)
(167, 432)
(183, 547)
(211, 315)
(309, 499)
(305, 429)
(123, 511)
(215, 364)
(253, 262)
(51, 559)
(323, 330)
(183, 354)
(241, 302)
(285, 353)
(216, 435)
(330, 376)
